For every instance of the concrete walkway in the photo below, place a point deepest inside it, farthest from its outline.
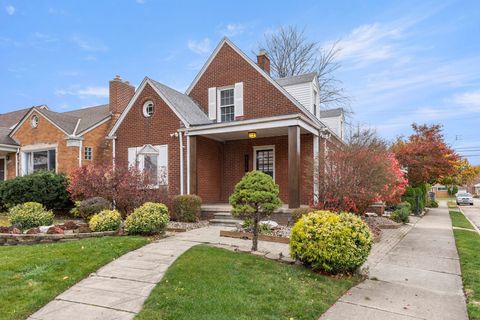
(119, 289)
(419, 278)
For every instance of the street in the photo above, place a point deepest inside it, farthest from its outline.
(473, 212)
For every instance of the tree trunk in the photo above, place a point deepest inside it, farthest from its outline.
(255, 234)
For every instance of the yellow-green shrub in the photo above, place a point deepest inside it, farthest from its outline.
(331, 242)
(150, 218)
(106, 220)
(30, 215)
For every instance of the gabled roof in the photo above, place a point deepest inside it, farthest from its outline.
(90, 116)
(181, 104)
(72, 123)
(302, 78)
(184, 105)
(5, 138)
(262, 72)
(330, 113)
(9, 119)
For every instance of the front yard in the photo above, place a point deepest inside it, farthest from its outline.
(31, 276)
(213, 283)
(468, 244)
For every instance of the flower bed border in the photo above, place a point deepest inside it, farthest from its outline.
(27, 239)
(249, 235)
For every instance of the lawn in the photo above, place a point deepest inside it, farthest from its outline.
(468, 244)
(212, 283)
(31, 276)
(459, 220)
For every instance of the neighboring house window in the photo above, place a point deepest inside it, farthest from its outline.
(152, 161)
(40, 160)
(88, 153)
(227, 105)
(441, 188)
(148, 109)
(265, 160)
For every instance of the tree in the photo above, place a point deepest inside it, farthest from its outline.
(292, 54)
(425, 155)
(125, 186)
(255, 197)
(361, 172)
(464, 174)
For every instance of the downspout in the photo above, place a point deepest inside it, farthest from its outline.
(181, 162)
(113, 152)
(17, 159)
(80, 154)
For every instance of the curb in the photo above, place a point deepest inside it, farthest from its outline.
(473, 224)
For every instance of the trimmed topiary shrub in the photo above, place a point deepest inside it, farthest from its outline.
(89, 207)
(186, 208)
(334, 243)
(300, 212)
(401, 215)
(45, 187)
(150, 218)
(106, 220)
(30, 215)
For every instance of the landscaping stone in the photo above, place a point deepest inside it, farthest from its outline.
(84, 229)
(55, 230)
(44, 229)
(32, 231)
(15, 231)
(269, 223)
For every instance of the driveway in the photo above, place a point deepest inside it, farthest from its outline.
(473, 212)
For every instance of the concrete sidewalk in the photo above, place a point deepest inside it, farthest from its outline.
(419, 278)
(119, 289)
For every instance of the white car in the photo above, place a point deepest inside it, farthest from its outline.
(464, 198)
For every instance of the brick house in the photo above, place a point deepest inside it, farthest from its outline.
(40, 139)
(233, 118)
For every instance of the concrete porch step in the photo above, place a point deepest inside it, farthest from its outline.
(225, 222)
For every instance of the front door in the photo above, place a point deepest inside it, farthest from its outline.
(265, 160)
(2, 169)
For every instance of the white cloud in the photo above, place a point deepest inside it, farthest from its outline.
(470, 101)
(233, 29)
(89, 44)
(200, 46)
(10, 10)
(86, 92)
(140, 1)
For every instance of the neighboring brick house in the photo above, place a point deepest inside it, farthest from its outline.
(40, 139)
(233, 118)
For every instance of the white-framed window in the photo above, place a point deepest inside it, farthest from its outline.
(88, 153)
(152, 161)
(39, 160)
(226, 98)
(264, 159)
(34, 121)
(148, 109)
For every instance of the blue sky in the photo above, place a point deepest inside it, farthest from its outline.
(402, 61)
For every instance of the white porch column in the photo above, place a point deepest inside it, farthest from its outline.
(316, 165)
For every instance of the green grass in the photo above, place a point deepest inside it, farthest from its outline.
(459, 220)
(468, 244)
(31, 276)
(212, 283)
(452, 204)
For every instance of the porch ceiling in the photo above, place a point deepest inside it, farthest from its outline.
(243, 134)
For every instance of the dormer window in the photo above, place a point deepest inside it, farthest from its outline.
(227, 105)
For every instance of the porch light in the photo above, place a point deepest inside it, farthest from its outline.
(252, 134)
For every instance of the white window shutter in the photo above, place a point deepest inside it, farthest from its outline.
(212, 103)
(162, 164)
(132, 157)
(238, 94)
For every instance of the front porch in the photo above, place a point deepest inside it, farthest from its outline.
(219, 155)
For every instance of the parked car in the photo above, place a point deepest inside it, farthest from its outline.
(464, 198)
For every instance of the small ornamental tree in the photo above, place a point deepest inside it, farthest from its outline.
(255, 197)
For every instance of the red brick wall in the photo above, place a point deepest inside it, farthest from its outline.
(209, 170)
(233, 168)
(11, 167)
(136, 130)
(260, 97)
(101, 147)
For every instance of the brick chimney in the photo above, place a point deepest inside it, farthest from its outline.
(120, 94)
(263, 61)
